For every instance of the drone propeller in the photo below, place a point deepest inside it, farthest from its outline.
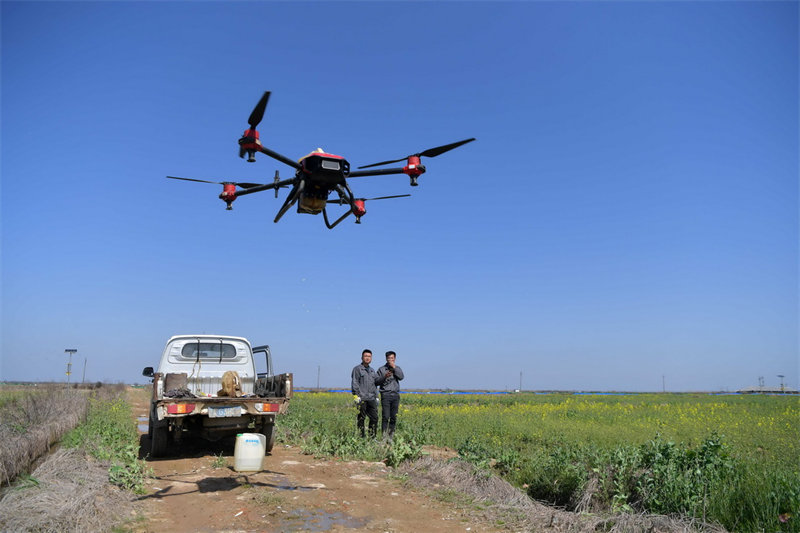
(430, 152)
(342, 202)
(258, 111)
(242, 185)
(386, 197)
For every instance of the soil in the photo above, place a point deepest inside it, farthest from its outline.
(197, 490)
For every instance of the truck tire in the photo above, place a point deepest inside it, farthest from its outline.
(159, 435)
(159, 439)
(266, 430)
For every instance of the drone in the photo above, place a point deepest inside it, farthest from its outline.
(317, 175)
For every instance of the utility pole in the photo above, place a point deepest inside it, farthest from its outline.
(83, 377)
(520, 380)
(317, 377)
(663, 384)
(781, 376)
(69, 351)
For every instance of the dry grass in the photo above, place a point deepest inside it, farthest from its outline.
(33, 421)
(498, 502)
(36, 418)
(67, 493)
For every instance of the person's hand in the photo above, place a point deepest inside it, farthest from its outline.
(356, 399)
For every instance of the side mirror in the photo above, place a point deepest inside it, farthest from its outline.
(148, 371)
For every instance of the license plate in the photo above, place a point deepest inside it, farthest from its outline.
(224, 412)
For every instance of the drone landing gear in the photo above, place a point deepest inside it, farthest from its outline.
(356, 206)
(294, 194)
(331, 226)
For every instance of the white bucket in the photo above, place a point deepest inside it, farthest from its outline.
(249, 452)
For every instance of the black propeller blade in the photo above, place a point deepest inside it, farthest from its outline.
(258, 111)
(342, 202)
(242, 185)
(385, 197)
(430, 152)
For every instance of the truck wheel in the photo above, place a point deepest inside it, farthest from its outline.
(158, 441)
(266, 430)
(152, 421)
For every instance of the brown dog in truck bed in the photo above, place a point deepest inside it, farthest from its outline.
(231, 385)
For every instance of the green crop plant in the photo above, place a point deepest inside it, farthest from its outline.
(109, 434)
(726, 459)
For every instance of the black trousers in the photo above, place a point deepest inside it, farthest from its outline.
(390, 402)
(368, 409)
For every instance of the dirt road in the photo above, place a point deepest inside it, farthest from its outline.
(199, 491)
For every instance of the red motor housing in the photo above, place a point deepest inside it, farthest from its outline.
(249, 140)
(249, 144)
(414, 169)
(358, 208)
(228, 194)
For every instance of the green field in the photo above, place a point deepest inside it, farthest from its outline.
(728, 459)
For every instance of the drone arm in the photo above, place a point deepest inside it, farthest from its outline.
(282, 158)
(267, 187)
(413, 170)
(377, 172)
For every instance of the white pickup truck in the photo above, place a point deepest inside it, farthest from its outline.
(186, 400)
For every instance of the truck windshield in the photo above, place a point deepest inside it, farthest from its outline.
(208, 350)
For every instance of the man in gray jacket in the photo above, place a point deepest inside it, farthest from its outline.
(389, 376)
(365, 393)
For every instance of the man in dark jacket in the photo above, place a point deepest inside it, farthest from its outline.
(389, 376)
(365, 393)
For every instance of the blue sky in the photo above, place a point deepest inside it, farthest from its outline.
(626, 219)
